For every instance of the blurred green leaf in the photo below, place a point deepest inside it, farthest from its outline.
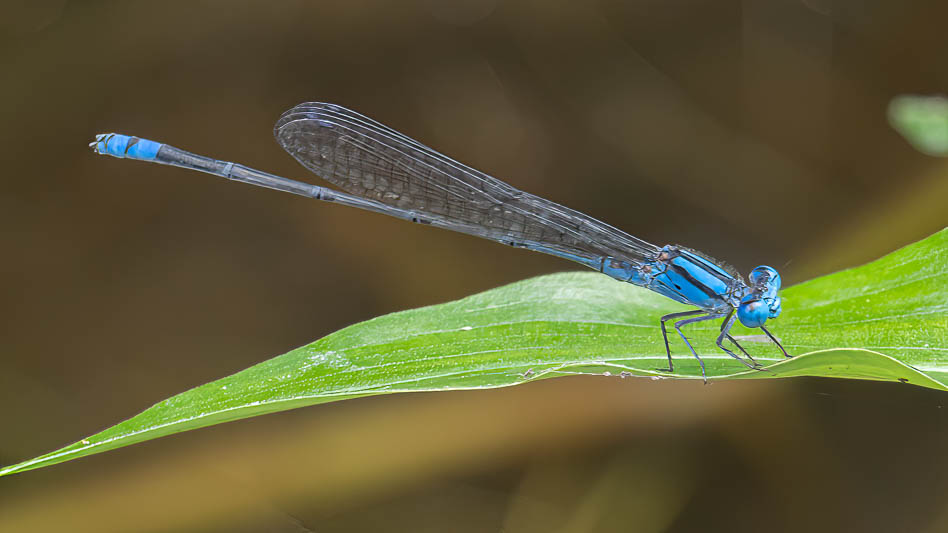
(883, 321)
(923, 121)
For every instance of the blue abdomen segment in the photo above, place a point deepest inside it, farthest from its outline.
(615, 268)
(124, 146)
(623, 271)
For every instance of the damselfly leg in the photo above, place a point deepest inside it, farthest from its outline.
(678, 326)
(668, 352)
(725, 334)
(788, 356)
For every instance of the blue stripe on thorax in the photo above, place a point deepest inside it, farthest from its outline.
(693, 280)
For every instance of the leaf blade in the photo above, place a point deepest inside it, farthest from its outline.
(886, 320)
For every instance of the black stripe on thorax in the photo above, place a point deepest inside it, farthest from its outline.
(691, 279)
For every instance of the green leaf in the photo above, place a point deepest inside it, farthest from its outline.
(923, 121)
(883, 321)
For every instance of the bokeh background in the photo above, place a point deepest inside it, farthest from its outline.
(752, 130)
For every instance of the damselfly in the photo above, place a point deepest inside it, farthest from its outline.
(384, 171)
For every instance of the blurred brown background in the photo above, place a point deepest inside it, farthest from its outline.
(754, 131)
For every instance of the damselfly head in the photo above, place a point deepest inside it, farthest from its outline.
(762, 302)
(764, 279)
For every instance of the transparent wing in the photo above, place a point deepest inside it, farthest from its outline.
(372, 161)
